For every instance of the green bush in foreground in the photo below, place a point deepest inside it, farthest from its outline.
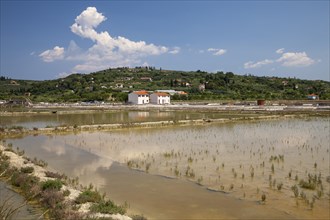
(52, 184)
(108, 207)
(88, 196)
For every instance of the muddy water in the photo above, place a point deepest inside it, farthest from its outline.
(219, 157)
(40, 120)
(165, 198)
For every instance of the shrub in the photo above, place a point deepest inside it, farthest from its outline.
(27, 169)
(66, 192)
(52, 198)
(17, 179)
(26, 183)
(54, 175)
(88, 196)
(52, 185)
(108, 207)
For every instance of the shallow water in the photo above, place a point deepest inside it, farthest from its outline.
(26, 212)
(221, 157)
(40, 120)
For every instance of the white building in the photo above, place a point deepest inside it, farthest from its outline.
(160, 98)
(138, 97)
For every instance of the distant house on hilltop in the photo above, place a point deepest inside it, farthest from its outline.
(312, 97)
(160, 98)
(138, 97)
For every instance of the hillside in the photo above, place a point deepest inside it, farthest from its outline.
(114, 84)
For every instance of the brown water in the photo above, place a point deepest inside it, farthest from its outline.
(217, 155)
(40, 120)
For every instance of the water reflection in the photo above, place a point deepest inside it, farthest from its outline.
(222, 157)
(39, 120)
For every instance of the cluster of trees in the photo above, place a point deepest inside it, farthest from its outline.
(200, 85)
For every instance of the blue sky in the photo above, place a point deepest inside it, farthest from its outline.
(51, 39)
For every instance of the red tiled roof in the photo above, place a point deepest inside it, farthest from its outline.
(142, 92)
(161, 93)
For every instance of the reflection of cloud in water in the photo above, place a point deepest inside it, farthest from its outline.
(89, 172)
(119, 149)
(57, 149)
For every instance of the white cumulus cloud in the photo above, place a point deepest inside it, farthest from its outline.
(107, 51)
(90, 18)
(57, 53)
(217, 52)
(175, 50)
(280, 51)
(295, 59)
(251, 64)
(288, 59)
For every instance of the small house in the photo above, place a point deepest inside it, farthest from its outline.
(312, 97)
(160, 98)
(138, 97)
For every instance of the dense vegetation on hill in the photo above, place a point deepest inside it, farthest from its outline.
(114, 85)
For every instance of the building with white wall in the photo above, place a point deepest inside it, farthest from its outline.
(160, 98)
(139, 97)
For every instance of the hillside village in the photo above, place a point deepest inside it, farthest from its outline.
(115, 85)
